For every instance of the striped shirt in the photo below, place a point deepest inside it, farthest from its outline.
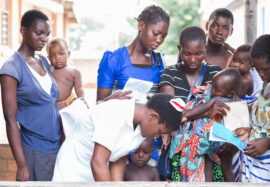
(175, 76)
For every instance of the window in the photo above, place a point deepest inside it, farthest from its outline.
(4, 23)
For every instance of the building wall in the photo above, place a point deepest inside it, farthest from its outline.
(14, 9)
(237, 7)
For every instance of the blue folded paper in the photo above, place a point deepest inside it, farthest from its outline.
(221, 133)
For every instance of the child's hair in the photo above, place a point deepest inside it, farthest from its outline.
(57, 41)
(244, 48)
(234, 75)
(160, 102)
(31, 16)
(151, 140)
(222, 12)
(192, 33)
(261, 47)
(153, 14)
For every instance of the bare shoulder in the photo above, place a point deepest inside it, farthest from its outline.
(73, 70)
(266, 92)
(155, 173)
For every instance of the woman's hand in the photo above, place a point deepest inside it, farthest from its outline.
(257, 147)
(217, 109)
(166, 139)
(22, 174)
(242, 132)
(119, 95)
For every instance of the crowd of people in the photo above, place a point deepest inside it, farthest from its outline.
(55, 136)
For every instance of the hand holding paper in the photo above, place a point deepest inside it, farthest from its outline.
(139, 88)
(220, 133)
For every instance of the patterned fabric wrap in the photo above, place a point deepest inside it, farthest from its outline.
(258, 169)
(192, 142)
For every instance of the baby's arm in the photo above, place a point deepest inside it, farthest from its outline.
(208, 169)
(209, 109)
(78, 84)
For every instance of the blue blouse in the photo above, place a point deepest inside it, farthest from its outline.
(38, 114)
(116, 66)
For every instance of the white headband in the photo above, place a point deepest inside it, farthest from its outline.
(178, 104)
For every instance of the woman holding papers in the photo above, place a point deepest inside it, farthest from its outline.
(137, 60)
(255, 166)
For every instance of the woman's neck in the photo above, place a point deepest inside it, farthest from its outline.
(25, 51)
(136, 48)
(193, 72)
(214, 48)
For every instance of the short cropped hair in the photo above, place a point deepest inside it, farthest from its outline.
(54, 41)
(160, 102)
(261, 47)
(234, 75)
(31, 16)
(153, 14)
(245, 48)
(192, 33)
(222, 12)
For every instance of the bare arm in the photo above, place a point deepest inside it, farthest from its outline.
(209, 109)
(9, 104)
(117, 169)
(156, 174)
(102, 93)
(166, 138)
(78, 84)
(99, 163)
(116, 95)
(167, 89)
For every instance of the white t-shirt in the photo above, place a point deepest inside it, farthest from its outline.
(109, 124)
(44, 81)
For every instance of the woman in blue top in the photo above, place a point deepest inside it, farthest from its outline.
(29, 93)
(137, 60)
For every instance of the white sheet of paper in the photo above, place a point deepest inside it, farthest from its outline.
(139, 88)
(238, 116)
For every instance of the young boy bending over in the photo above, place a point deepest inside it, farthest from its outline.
(138, 169)
(98, 148)
(67, 77)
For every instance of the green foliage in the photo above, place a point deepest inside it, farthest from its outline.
(182, 13)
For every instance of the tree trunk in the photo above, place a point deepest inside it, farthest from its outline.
(250, 21)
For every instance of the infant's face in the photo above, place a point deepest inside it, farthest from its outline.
(143, 154)
(58, 55)
(241, 61)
